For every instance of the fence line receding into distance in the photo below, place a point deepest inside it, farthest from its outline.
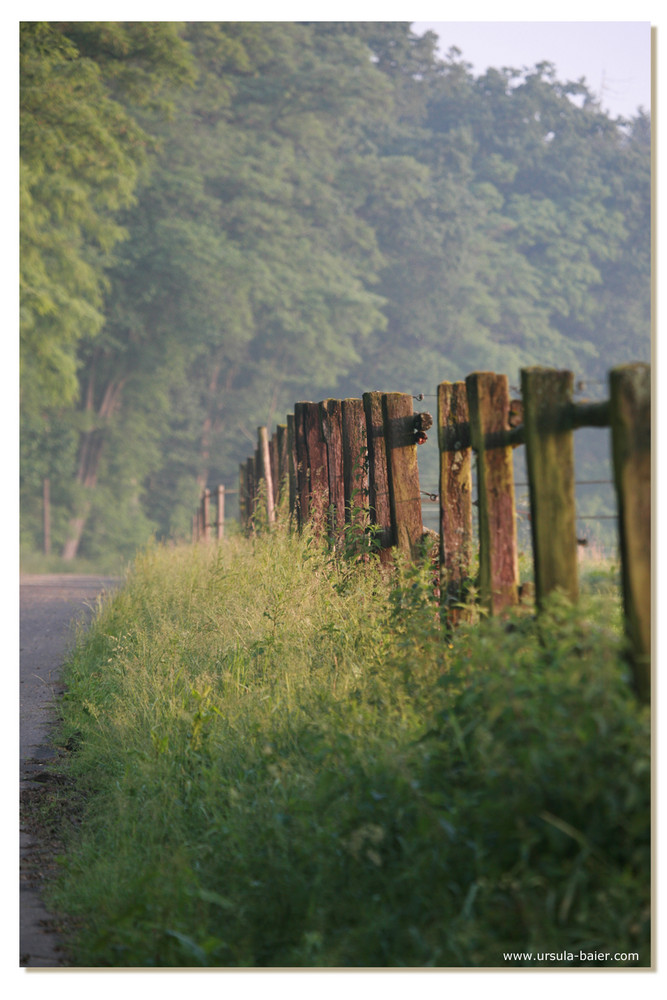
(339, 460)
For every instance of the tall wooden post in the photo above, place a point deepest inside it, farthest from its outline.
(205, 516)
(332, 432)
(312, 465)
(220, 519)
(455, 497)
(630, 392)
(292, 467)
(547, 399)
(378, 476)
(404, 496)
(488, 404)
(244, 500)
(355, 459)
(318, 467)
(265, 472)
(257, 482)
(302, 478)
(275, 475)
(282, 453)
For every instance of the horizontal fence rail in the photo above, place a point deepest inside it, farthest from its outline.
(338, 462)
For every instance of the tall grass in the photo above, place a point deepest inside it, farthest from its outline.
(286, 763)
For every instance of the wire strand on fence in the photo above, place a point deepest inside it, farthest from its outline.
(597, 517)
(583, 482)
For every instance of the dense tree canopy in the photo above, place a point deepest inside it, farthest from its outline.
(221, 218)
(81, 152)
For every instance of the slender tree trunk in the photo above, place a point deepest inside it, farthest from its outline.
(213, 419)
(207, 427)
(92, 443)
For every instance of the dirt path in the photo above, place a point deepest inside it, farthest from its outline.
(50, 607)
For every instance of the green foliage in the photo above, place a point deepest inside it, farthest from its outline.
(80, 155)
(283, 771)
(220, 218)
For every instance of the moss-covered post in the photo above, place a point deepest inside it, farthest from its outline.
(403, 473)
(630, 414)
(547, 404)
(378, 481)
(488, 404)
(455, 497)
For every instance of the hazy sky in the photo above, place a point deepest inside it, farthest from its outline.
(613, 56)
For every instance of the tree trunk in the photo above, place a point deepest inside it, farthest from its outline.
(92, 443)
(207, 427)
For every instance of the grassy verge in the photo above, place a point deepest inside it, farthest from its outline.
(283, 762)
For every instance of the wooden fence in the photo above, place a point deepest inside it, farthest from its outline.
(202, 524)
(335, 459)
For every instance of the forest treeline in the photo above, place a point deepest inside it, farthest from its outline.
(219, 219)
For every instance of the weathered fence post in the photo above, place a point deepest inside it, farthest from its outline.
(302, 470)
(292, 467)
(282, 474)
(220, 511)
(242, 496)
(275, 475)
(331, 420)
(455, 497)
(257, 479)
(630, 392)
(317, 467)
(547, 399)
(247, 493)
(378, 476)
(312, 466)
(205, 505)
(403, 472)
(355, 459)
(265, 472)
(489, 403)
